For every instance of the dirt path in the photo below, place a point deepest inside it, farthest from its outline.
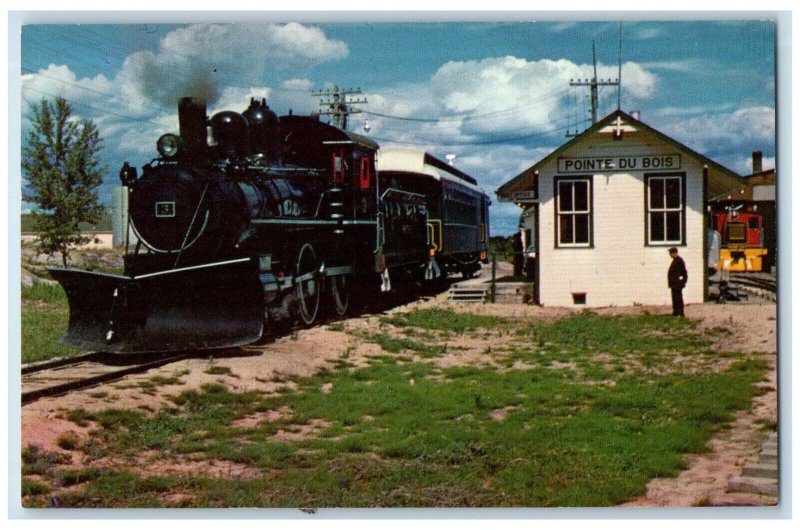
(705, 481)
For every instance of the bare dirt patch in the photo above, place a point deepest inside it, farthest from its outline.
(269, 416)
(302, 432)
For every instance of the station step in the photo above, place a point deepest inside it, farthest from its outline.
(760, 477)
(505, 293)
(471, 294)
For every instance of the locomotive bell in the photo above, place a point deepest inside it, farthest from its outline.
(128, 174)
(231, 132)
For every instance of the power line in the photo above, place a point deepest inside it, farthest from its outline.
(486, 142)
(422, 132)
(467, 117)
(82, 87)
(107, 111)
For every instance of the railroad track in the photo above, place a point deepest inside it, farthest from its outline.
(756, 284)
(765, 282)
(60, 376)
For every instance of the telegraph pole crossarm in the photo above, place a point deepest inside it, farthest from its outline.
(593, 84)
(338, 104)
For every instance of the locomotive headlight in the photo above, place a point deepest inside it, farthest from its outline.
(168, 145)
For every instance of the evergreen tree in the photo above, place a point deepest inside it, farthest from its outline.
(62, 169)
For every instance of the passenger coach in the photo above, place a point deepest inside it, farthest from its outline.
(458, 209)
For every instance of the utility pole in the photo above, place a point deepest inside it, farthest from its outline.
(338, 105)
(593, 84)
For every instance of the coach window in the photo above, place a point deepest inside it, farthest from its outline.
(573, 212)
(338, 166)
(666, 209)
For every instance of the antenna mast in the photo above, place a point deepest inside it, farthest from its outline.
(338, 104)
(619, 74)
(593, 84)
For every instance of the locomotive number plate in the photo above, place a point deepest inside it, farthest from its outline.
(165, 209)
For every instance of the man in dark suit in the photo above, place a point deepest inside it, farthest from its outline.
(516, 247)
(676, 278)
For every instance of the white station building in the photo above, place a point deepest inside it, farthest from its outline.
(603, 209)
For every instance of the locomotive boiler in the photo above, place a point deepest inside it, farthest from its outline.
(245, 219)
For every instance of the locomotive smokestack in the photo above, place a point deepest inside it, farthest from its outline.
(192, 119)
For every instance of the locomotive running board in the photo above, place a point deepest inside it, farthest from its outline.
(212, 306)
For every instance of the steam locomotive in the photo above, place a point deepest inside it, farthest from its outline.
(246, 218)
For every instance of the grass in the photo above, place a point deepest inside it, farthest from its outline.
(45, 316)
(401, 432)
(401, 345)
(219, 370)
(444, 320)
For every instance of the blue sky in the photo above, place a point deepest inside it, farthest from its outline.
(495, 94)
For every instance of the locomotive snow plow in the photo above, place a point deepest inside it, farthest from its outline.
(211, 306)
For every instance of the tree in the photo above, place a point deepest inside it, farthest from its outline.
(62, 169)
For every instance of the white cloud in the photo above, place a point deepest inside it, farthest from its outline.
(59, 80)
(201, 59)
(742, 127)
(238, 98)
(685, 65)
(303, 85)
(563, 26)
(498, 98)
(648, 33)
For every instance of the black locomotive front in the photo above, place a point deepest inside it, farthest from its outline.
(243, 219)
(187, 285)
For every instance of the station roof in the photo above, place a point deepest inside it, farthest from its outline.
(720, 179)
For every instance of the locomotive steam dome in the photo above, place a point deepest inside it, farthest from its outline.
(166, 209)
(231, 133)
(264, 130)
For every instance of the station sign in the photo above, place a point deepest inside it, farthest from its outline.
(618, 163)
(522, 196)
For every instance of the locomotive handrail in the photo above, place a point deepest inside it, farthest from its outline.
(267, 170)
(432, 232)
(191, 225)
(142, 240)
(193, 267)
(402, 192)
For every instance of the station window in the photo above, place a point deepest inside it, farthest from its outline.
(573, 212)
(666, 209)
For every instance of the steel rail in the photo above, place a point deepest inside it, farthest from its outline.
(63, 388)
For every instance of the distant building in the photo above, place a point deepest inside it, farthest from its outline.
(605, 207)
(119, 218)
(100, 236)
(759, 186)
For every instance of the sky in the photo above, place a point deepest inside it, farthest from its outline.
(496, 94)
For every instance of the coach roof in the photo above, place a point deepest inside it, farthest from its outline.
(411, 160)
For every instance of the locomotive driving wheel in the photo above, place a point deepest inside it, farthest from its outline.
(307, 284)
(340, 295)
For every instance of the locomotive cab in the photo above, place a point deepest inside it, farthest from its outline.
(741, 233)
